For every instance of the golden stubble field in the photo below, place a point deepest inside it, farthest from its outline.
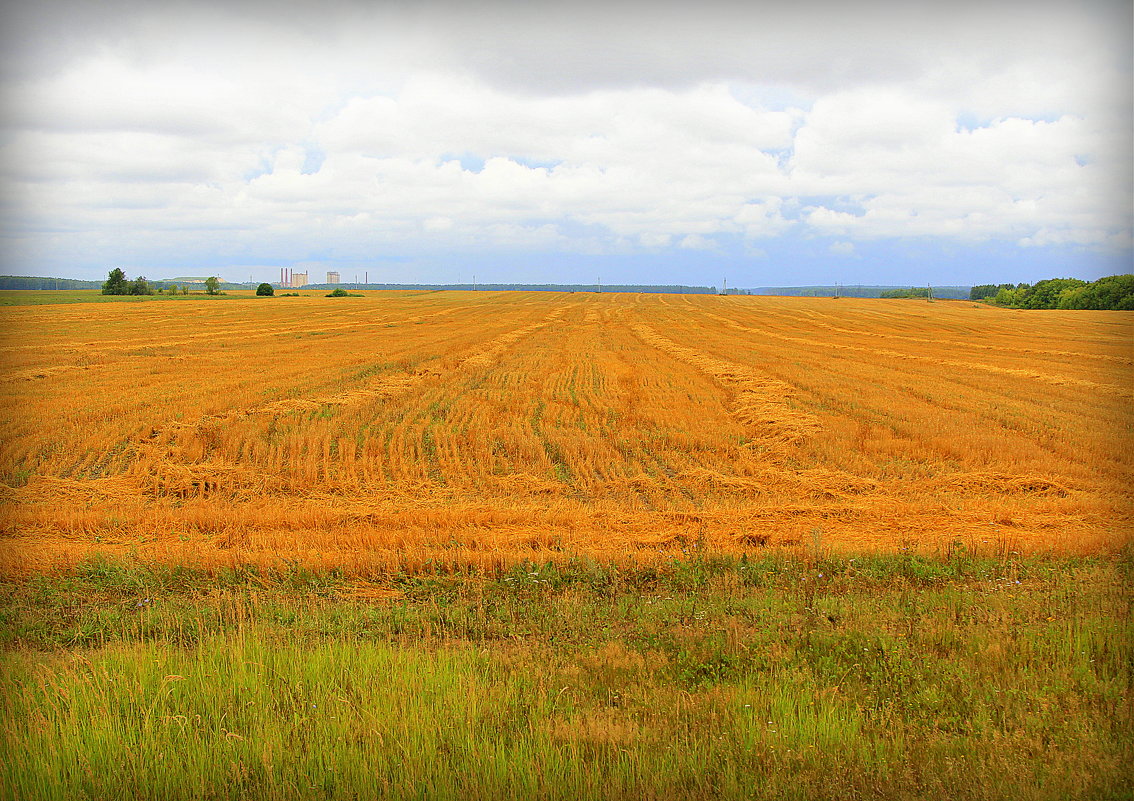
(402, 430)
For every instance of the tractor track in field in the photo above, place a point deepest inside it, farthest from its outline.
(898, 355)
(156, 469)
(760, 403)
(1013, 349)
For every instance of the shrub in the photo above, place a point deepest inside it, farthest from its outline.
(265, 290)
(140, 286)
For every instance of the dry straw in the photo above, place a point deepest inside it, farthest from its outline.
(474, 430)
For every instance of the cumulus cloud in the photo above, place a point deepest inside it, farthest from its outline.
(697, 242)
(258, 133)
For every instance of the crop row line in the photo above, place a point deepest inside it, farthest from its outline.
(893, 354)
(760, 403)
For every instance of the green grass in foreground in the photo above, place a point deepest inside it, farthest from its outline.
(878, 677)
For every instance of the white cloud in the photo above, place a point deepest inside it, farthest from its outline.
(932, 178)
(696, 242)
(763, 218)
(842, 248)
(384, 126)
(437, 224)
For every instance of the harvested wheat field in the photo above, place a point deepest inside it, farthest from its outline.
(402, 429)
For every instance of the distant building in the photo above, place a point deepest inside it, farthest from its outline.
(298, 280)
(332, 278)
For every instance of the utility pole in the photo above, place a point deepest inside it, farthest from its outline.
(600, 283)
(724, 284)
(928, 293)
(474, 282)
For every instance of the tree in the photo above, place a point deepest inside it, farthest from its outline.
(1110, 292)
(140, 286)
(338, 292)
(212, 285)
(265, 290)
(1113, 292)
(1008, 297)
(184, 289)
(116, 283)
(1045, 294)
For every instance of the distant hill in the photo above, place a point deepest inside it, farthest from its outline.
(30, 282)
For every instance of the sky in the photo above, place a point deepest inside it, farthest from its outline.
(689, 143)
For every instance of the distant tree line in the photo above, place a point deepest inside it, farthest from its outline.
(863, 291)
(672, 289)
(1111, 292)
(32, 282)
(988, 291)
(912, 292)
